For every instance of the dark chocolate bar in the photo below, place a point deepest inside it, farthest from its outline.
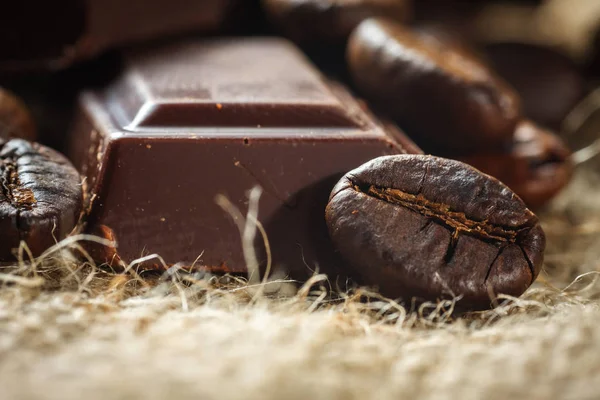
(189, 121)
(51, 35)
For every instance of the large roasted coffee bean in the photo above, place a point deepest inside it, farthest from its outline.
(40, 197)
(15, 119)
(445, 98)
(536, 166)
(431, 228)
(331, 21)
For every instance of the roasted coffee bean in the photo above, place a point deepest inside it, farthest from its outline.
(331, 21)
(15, 120)
(537, 166)
(442, 96)
(549, 83)
(431, 228)
(40, 197)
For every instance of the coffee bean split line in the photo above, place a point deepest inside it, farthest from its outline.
(457, 221)
(19, 197)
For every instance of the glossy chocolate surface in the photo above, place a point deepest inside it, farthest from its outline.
(50, 37)
(187, 122)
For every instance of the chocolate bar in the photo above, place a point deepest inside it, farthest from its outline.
(186, 122)
(53, 37)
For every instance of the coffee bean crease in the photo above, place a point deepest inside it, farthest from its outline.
(20, 197)
(443, 213)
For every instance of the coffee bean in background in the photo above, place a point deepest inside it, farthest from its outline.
(432, 228)
(15, 118)
(51, 96)
(536, 166)
(550, 84)
(322, 27)
(330, 21)
(445, 99)
(40, 197)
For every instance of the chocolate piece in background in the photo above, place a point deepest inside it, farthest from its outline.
(46, 35)
(549, 83)
(192, 120)
(15, 119)
(536, 167)
(443, 97)
(40, 197)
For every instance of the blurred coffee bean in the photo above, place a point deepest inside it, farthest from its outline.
(330, 21)
(549, 83)
(446, 99)
(51, 96)
(432, 228)
(451, 39)
(536, 167)
(15, 119)
(40, 197)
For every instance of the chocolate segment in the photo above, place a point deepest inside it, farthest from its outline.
(53, 37)
(187, 122)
